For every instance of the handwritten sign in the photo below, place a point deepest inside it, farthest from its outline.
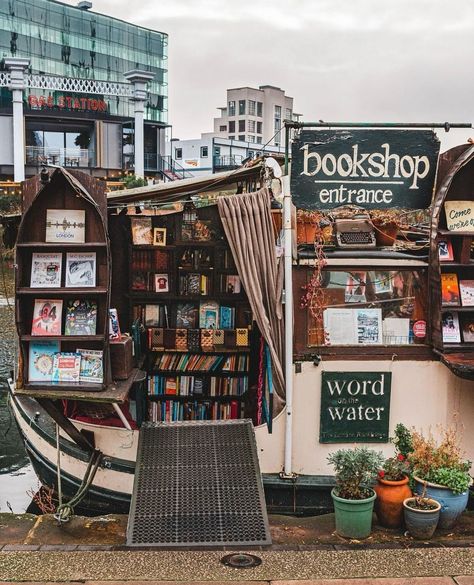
(355, 407)
(459, 216)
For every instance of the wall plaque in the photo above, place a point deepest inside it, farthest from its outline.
(459, 216)
(374, 169)
(355, 407)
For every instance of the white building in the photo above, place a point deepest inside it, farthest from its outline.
(255, 115)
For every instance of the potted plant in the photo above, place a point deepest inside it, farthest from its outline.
(356, 470)
(307, 226)
(386, 223)
(421, 515)
(440, 468)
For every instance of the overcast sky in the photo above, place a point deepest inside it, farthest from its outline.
(341, 60)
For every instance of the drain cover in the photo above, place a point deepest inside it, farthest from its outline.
(197, 484)
(241, 561)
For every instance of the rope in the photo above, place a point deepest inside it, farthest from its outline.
(65, 511)
(260, 383)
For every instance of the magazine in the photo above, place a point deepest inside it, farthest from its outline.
(46, 270)
(47, 316)
(91, 368)
(450, 325)
(80, 269)
(142, 233)
(40, 360)
(81, 317)
(66, 367)
(65, 225)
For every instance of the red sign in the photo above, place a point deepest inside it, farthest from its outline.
(67, 102)
(419, 329)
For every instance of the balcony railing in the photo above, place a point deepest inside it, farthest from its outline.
(154, 162)
(64, 157)
(228, 162)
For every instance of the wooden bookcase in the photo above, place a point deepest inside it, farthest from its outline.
(185, 379)
(455, 185)
(63, 192)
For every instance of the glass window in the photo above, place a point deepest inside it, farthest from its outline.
(277, 111)
(241, 107)
(259, 109)
(204, 151)
(222, 128)
(232, 126)
(258, 140)
(252, 108)
(241, 125)
(178, 153)
(367, 307)
(232, 137)
(259, 127)
(232, 108)
(251, 138)
(288, 114)
(242, 137)
(251, 125)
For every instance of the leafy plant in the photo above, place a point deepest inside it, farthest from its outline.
(355, 470)
(132, 181)
(455, 479)
(403, 440)
(395, 468)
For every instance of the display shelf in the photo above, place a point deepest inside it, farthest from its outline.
(227, 350)
(63, 291)
(61, 245)
(192, 397)
(214, 373)
(444, 232)
(62, 337)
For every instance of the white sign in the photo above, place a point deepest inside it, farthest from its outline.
(459, 216)
(65, 225)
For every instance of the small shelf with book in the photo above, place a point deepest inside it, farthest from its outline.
(62, 283)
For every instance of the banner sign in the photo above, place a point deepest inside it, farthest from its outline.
(40, 102)
(355, 407)
(374, 169)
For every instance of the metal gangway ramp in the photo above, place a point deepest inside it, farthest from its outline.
(197, 484)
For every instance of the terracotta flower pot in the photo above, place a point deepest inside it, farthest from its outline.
(386, 233)
(389, 502)
(305, 232)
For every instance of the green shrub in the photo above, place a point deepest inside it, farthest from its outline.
(356, 469)
(455, 479)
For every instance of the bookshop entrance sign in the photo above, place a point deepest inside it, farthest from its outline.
(374, 169)
(355, 407)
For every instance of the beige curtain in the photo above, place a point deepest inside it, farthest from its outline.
(248, 226)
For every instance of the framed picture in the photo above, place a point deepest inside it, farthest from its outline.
(445, 251)
(159, 236)
(162, 283)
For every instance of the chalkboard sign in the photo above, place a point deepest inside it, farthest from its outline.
(355, 407)
(374, 169)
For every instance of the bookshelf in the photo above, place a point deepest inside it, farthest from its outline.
(197, 322)
(452, 265)
(62, 284)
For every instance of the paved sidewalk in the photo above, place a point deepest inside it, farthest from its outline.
(389, 581)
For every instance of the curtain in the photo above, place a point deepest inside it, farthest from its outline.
(249, 229)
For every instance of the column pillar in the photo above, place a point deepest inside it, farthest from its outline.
(17, 68)
(139, 80)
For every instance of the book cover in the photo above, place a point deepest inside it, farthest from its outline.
(140, 281)
(91, 367)
(46, 270)
(81, 317)
(449, 289)
(445, 251)
(162, 283)
(450, 326)
(186, 316)
(47, 316)
(142, 232)
(226, 316)
(65, 225)
(209, 315)
(40, 360)
(466, 288)
(467, 326)
(233, 284)
(114, 326)
(152, 315)
(66, 367)
(80, 269)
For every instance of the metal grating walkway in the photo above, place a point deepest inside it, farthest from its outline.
(197, 484)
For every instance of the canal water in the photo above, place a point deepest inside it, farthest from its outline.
(17, 477)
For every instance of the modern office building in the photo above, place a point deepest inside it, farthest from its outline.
(79, 108)
(255, 115)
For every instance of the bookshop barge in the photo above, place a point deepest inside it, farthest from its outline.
(186, 287)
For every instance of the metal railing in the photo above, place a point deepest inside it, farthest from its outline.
(64, 157)
(228, 161)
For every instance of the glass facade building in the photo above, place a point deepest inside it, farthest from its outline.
(64, 40)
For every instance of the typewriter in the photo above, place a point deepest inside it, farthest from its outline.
(357, 232)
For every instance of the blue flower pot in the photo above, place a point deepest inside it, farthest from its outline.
(452, 505)
(421, 524)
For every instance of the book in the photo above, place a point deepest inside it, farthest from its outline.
(66, 367)
(91, 367)
(162, 283)
(81, 317)
(466, 288)
(47, 317)
(445, 251)
(80, 269)
(140, 281)
(226, 317)
(46, 270)
(65, 225)
(114, 326)
(209, 315)
(186, 316)
(450, 327)
(233, 284)
(156, 316)
(142, 232)
(449, 289)
(467, 326)
(40, 360)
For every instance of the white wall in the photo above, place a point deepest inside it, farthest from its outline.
(424, 394)
(6, 143)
